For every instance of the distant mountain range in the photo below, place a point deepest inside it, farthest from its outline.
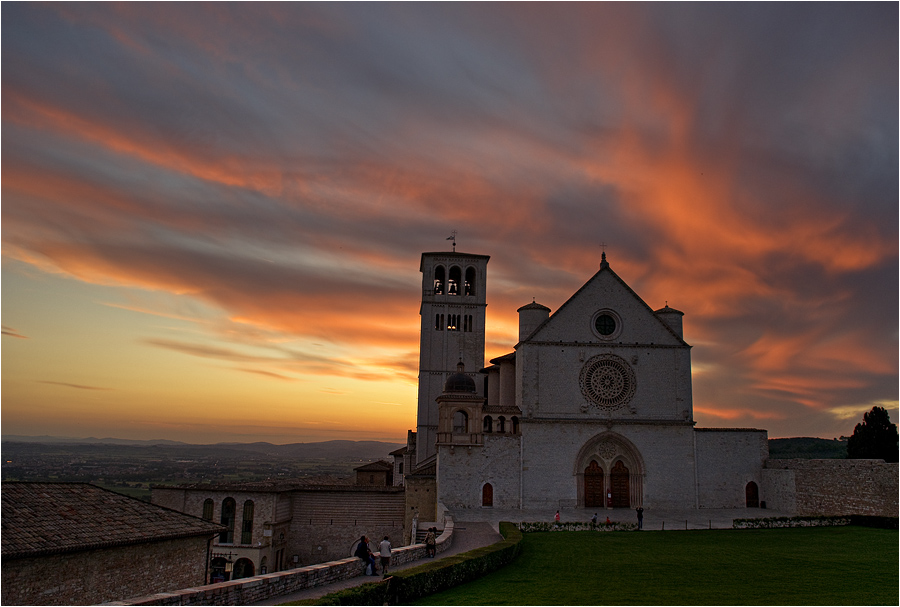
(326, 449)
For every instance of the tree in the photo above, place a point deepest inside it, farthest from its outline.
(875, 438)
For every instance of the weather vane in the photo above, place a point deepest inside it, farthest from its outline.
(453, 238)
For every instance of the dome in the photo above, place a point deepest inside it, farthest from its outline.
(459, 381)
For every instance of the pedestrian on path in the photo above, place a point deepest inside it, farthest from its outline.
(385, 555)
(640, 515)
(430, 542)
(556, 518)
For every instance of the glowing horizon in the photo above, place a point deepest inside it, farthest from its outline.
(214, 213)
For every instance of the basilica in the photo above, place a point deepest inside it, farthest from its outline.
(592, 408)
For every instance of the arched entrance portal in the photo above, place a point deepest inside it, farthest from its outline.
(593, 485)
(609, 465)
(243, 568)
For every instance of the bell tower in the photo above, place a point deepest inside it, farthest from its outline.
(453, 306)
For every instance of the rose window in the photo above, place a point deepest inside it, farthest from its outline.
(607, 381)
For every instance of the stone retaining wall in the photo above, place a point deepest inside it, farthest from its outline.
(831, 487)
(261, 587)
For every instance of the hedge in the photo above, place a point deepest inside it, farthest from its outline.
(411, 584)
(543, 526)
(882, 522)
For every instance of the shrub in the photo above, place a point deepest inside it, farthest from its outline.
(543, 526)
(881, 522)
(792, 521)
(416, 582)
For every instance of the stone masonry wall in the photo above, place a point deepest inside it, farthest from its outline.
(94, 576)
(835, 486)
(255, 589)
(727, 460)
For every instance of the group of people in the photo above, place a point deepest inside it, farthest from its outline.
(365, 553)
(640, 518)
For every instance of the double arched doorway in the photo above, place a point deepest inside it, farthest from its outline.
(609, 473)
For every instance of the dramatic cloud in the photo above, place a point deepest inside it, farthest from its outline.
(263, 179)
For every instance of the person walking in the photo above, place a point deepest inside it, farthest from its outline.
(594, 519)
(385, 556)
(431, 542)
(640, 515)
(556, 518)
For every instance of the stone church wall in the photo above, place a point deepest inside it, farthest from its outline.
(727, 460)
(550, 468)
(832, 486)
(97, 576)
(464, 473)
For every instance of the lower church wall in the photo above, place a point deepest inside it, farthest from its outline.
(832, 486)
(551, 473)
(727, 461)
(464, 473)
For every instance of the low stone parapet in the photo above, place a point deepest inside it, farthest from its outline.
(261, 587)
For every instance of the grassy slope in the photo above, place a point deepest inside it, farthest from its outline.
(809, 566)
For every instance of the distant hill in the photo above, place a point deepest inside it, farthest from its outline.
(69, 440)
(807, 448)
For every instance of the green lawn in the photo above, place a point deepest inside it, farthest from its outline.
(803, 566)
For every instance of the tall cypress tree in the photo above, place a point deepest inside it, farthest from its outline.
(875, 438)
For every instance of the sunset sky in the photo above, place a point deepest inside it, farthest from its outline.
(213, 214)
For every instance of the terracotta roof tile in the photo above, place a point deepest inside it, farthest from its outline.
(49, 518)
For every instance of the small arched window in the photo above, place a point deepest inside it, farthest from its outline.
(470, 281)
(439, 280)
(438, 322)
(460, 422)
(502, 424)
(208, 509)
(227, 521)
(453, 282)
(488, 424)
(515, 425)
(247, 524)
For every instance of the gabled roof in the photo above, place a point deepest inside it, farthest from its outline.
(379, 466)
(604, 268)
(400, 451)
(51, 518)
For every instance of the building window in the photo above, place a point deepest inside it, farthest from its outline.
(467, 323)
(488, 424)
(515, 425)
(453, 322)
(400, 470)
(247, 524)
(227, 521)
(439, 280)
(502, 422)
(438, 322)
(460, 422)
(470, 281)
(208, 509)
(487, 496)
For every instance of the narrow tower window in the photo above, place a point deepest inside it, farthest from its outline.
(460, 422)
(227, 521)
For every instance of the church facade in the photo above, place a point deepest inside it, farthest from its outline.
(592, 408)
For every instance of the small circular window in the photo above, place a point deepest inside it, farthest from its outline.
(605, 324)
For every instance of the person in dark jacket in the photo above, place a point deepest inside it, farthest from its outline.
(363, 552)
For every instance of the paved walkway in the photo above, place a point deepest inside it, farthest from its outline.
(466, 536)
(480, 527)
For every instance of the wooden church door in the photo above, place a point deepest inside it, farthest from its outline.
(593, 486)
(487, 496)
(618, 480)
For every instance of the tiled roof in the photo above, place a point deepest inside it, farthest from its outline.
(51, 518)
(379, 466)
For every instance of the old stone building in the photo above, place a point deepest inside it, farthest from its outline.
(77, 544)
(273, 526)
(593, 408)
